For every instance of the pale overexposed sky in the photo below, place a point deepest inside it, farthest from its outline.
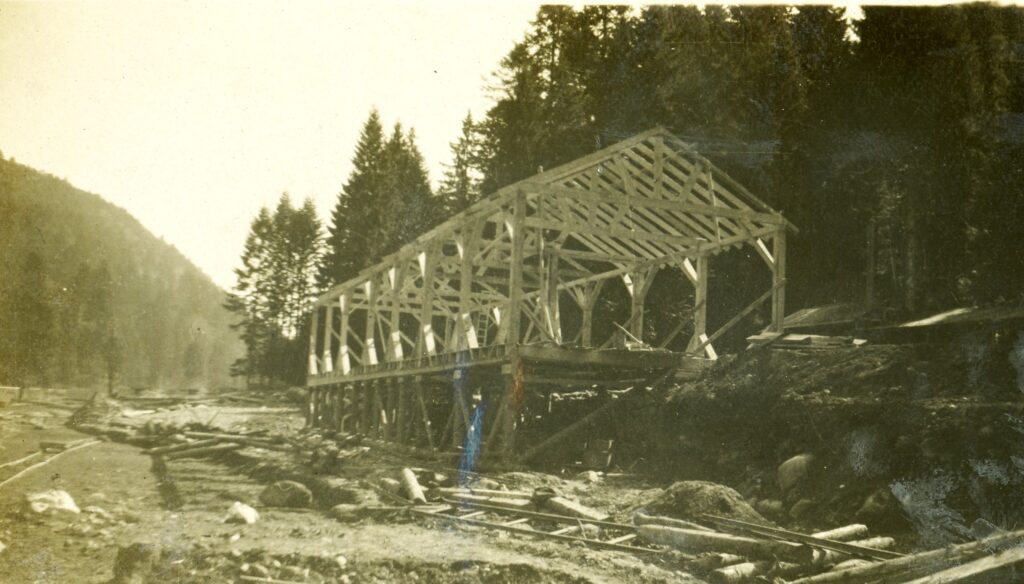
(192, 115)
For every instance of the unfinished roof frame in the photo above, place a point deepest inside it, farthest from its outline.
(490, 279)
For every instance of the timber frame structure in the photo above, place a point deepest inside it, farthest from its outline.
(460, 329)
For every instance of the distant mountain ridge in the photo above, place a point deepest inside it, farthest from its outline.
(87, 294)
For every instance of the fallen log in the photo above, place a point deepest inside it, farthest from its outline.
(484, 492)
(204, 451)
(181, 446)
(920, 564)
(696, 541)
(1012, 558)
(258, 442)
(566, 507)
(749, 571)
(504, 502)
(709, 561)
(826, 558)
(792, 536)
(821, 560)
(411, 487)
(844, 533)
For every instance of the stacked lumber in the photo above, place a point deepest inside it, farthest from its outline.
(802, 341)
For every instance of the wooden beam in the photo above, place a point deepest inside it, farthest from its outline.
(700, 303)
(311, 367)
(779, 281)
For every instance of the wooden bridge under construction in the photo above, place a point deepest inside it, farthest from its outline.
(456, 341)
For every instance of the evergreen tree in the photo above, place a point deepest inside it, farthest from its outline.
(460, 186)
(356, 218)
(275, 290)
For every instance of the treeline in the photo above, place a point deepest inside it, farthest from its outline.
(907, 125)
(90, 298)
(910, 120)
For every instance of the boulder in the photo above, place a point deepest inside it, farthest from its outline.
(286, 494)
(135, 563)
(801, 509)
(241, 513)
(52, 500)
(794, 471)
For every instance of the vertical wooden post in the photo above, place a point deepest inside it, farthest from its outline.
(377, 407)
(425, 340)
(641, 283)
(700, 303)
(515, 284)
(328, 358)
(344, 361)
(401, 414)
(513, 391)
(390, 410)
(395, 350)
(779, 280)
(550, 296)
(428, 428)
(869, 269)
(312, 368)
(591, 292)
(366, 405)
(370, 345)
(343, 405)
(465, 333)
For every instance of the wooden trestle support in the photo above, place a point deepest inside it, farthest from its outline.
(456, 340)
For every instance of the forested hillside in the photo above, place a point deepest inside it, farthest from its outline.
(895, 142)
(908, 121)
(88, 297)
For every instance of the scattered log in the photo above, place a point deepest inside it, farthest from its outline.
(566, 507)
(484, 492)
(696, 541)
(203, 451)
(851, 563)
(390, 485)
(709, 561)
(258, 442)
(792, 536)
(181, 446)
(821, 559)
(920, 564)
(640, 518)
(844, 533)
(411, 487)
(1012, 558)
(825, 558)
(503, 502)
(749, 571)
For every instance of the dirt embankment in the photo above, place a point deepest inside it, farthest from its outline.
(922, 441)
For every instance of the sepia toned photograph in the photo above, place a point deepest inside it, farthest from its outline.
(456, 292)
